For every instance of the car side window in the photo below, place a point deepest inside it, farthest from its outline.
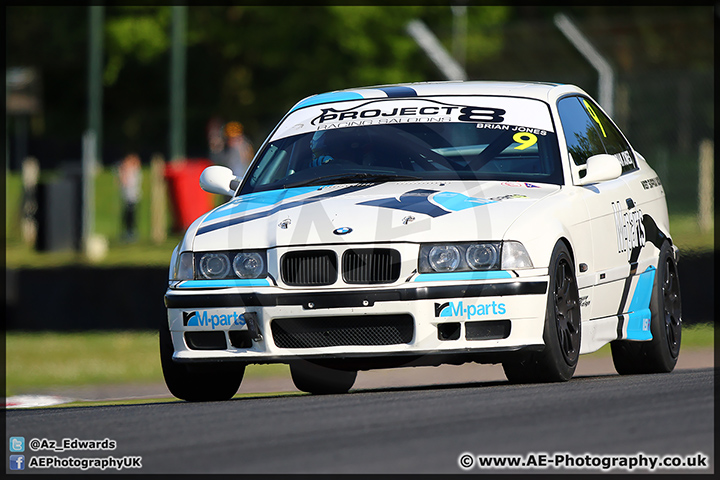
(581, 133)
(611, 137)
(588, 132)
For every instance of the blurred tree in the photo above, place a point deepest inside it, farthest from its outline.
(134, 31)
(251, 63)
(266, 59)
(245, 63)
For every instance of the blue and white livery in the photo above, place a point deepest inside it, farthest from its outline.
(423, 224)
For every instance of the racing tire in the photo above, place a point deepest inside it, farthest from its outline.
(660, 354)
(197, 382)
(319, 379)
(558, 359)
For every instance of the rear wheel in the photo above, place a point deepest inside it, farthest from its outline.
(320, 379)
(558, 360)
(197, 382)
(660, 354)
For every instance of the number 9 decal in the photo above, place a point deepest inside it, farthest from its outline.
(525, 140)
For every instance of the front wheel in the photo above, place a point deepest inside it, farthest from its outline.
(558, 360)
(197, 382)
(319, 379)
(660, 354)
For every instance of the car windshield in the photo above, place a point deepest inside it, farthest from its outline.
(455, 150)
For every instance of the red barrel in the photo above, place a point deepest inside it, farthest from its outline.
(188, 200)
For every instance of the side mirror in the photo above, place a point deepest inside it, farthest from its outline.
(216, 179)
(600, 168)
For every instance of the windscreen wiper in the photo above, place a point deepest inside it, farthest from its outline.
(361, 177)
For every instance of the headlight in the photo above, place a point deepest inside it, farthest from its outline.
(482, 256)
(444, 258)
(459, 257)
(248, 265)
(466, 257)
(214, 265)
(515, 256)
(229, 265)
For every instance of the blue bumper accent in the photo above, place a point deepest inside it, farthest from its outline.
(240, 282)
(455, 276)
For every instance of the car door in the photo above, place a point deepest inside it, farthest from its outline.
(610, 206)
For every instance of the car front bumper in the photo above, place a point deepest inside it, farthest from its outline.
(481, 319)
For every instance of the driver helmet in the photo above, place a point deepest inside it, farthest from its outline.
(319, 148)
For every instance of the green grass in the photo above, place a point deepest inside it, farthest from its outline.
(70, 359)
(46, 360)
(49, 359)
(688, 236)
(698, 336)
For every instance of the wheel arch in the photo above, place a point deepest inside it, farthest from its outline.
(569, 248)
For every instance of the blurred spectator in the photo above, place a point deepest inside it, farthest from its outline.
(216, 141)
(238, 150)
(130, 175)
(30, 176)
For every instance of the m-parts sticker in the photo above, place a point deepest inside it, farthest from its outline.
(222, 320)
(469, 310)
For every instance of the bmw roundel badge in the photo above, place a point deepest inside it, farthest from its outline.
(342, 230)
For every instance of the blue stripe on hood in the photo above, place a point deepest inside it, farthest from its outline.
(256, 200)
(297, 203)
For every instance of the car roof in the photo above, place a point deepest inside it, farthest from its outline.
(544, 91)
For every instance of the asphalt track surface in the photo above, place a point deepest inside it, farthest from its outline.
(398, 430)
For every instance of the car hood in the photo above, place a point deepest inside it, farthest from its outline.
(359, 213)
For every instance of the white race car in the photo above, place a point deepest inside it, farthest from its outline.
(425, 224)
